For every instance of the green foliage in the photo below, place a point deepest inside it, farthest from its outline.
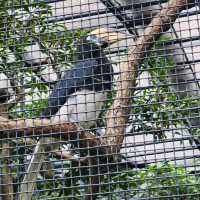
(159, 107)
(23, 24)
(161, 180)
(20, 20)
(19, 23)
(61, 42)
(66, 184)
(31, 109)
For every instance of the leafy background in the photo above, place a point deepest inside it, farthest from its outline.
(22, 23)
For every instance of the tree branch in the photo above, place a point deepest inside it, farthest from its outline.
(42, 127)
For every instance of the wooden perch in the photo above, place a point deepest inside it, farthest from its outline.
(38, 127)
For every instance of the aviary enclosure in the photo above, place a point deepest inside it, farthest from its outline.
(99, 100)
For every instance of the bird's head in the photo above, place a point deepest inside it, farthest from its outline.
(92, 45)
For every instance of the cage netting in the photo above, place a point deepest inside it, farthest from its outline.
(99, 100)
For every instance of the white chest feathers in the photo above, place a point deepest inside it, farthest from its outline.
(83, 107)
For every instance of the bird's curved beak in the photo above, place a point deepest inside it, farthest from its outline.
(109, 35)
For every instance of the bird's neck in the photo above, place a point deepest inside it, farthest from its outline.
(85, 52)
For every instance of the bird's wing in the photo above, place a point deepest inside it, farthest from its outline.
(74, 79)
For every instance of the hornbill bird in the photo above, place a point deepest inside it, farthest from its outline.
(82, 91)
(78, 96)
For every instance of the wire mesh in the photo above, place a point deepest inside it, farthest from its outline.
(62, 66)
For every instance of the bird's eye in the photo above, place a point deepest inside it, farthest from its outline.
(104, 44)
(96, 40)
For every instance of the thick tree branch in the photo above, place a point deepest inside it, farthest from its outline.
(68, 131)
(43, 127)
